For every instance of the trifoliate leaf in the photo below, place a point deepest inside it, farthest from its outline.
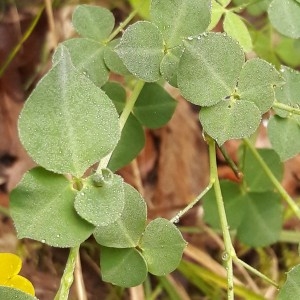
(141, 50)
(162, 246)
(236, 28)
(122, 267)
(64, 116)
(42, 208)
(93, 22)
(101, 205)
(178, 19)
(284, 135)
(230, 120)
(209, 68)
(257, 81)
(126, 231)
(284, 16)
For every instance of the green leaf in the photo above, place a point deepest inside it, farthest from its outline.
(288, 52)
(122, 267)
(169, 64)
(154, 106)
(230, 119)
(142, 6)
(178, 19)
(93, 22)
(217, 11)
(262, 222)
(284, 16)
(291, 288)
(101, 205)
(91, 64)
(237, 29)
(116, 93)
(284, 135)
(263, 46)
(142, 49)
(64, 116)
(254, 176)
(126, 231)
(224, 3)
(7, 293)
(162, 246)
(289, 93)
(254, 7)
(129, 146)
(42, 208)
(209, 68)
(234, 205)
(112, 60)
(256, 83)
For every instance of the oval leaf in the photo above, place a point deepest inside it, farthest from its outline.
(154, 106)
(42, 208)
(289, 93)
(236, 28)
(284, 135)
(66, 115)
(93, 22)
(123, 267)
(142, 49)
(227, 120)
(129, 146)
(101, 205)
(12, 293)
(112, 60)
(255, 178)
(178, 19)
(117, 94)
(91, 64)
(257, 81)
(284, 16)
(262, 222)
(234, 205)
(126, 231)
(291, 288)
(209, 68)
(169, 64)
(162, 246)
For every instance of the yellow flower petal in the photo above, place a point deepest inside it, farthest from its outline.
(10, 265)
(21, 283)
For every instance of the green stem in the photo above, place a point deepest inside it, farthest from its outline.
(229, 250)
(273, 179)
(231, 163)
(123, 118)
(192, 204)
(254, 271)
(67, 278)
(17, 48)
(288, 108)
(122, 26)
